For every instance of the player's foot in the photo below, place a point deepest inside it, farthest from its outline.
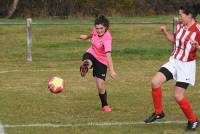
(84, 68)
(154, 117)
(106, 109)
(191, 126)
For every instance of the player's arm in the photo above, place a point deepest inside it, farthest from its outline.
(85, 37)
(195, 44)
(167, 35)
(110, 65)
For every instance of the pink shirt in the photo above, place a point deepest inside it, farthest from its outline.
(100, 46)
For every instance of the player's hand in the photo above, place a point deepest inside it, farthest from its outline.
(113, 75)
(83, 37)
(163, 29)
(195, 44)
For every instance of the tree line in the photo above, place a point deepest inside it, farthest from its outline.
(66, 8)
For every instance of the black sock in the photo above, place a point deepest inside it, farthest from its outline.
(103, 98)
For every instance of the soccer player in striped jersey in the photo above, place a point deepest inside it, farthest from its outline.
(98, 57)
(181, 65)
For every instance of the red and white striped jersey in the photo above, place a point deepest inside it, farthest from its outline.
(183, 50)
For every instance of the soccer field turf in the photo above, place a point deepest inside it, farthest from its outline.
(138, 52)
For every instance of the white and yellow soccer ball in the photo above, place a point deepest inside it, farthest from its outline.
(55, 84)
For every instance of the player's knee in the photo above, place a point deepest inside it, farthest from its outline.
(101, 90)
(156, 83)
(178, 96)
(101, 87)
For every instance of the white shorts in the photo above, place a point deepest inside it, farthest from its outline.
(182, 71)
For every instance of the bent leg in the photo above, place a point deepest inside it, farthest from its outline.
(184, 103)
(162, 76)
(85, 67)
(156, 84)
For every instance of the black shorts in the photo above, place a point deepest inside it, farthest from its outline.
(99, 69)
(166, 73)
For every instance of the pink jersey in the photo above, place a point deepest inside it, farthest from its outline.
(183, 49)
(100, 46)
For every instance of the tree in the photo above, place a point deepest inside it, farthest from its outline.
(66, 8)
(12, 8)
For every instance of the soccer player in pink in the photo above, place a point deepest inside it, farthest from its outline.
(181, 65)
(98, 57)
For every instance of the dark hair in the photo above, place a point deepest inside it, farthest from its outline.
(103, 21)
(191, 8)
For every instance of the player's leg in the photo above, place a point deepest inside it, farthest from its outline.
(99, 72)
(185, 76)
(160, 77)
(86, 64)
(85, 67)
(185, 106)
(102, 94)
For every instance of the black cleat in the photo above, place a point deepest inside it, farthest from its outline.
(84, 68)
(191, 126)
(154, 117)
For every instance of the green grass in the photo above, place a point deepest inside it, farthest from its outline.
(89, 20)
(86, 20)
(138, 52)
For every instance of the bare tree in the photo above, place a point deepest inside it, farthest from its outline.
(12, 8)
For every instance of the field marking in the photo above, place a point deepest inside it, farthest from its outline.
(91, 124)
(1, 128)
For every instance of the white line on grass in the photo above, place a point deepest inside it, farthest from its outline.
(91, 124)
(1, 128)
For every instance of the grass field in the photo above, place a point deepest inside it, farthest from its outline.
(138, 52)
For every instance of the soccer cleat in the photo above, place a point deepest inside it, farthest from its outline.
(191, 126)
(154, 117)
(84, 68)
(106, 109)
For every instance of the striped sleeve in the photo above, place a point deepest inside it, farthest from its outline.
(198, 34)
(198, 38)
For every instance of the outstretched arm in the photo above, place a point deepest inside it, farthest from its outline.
(167, 35)
(85, 37)
(110, 65)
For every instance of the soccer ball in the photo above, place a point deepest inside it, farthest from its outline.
(55, 85)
